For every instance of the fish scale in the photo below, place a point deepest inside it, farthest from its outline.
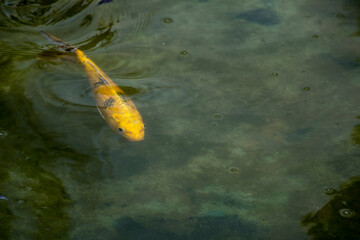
(114, 106)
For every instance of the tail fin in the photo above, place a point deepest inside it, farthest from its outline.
(63, 46)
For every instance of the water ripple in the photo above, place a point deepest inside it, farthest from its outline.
(39, 12)
(73, 92)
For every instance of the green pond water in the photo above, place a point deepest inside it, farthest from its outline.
(251, 111)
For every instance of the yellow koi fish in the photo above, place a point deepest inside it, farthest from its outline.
(115, 107)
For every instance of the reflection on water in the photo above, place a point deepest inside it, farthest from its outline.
(249, 108)
(92, 26)
(104, 37)
(39, 12)
(340, 217)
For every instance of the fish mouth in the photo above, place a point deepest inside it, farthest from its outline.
(135, 137)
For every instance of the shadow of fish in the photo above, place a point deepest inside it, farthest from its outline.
(114, 106)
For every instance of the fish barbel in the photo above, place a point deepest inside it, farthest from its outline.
(113, 104)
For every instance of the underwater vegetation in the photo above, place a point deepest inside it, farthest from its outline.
(36, 198)
(339, 219)
(355, 135)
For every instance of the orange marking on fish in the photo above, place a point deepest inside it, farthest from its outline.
(116, 108)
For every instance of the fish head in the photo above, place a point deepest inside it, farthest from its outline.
(131, 128)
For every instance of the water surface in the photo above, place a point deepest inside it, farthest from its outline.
(251, 111)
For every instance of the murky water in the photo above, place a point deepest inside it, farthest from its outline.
(251, 111)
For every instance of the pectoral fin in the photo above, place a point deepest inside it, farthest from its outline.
(100, 112)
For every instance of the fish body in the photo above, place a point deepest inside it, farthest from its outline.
(116, 108)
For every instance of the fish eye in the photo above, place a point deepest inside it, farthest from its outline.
(120, 129)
